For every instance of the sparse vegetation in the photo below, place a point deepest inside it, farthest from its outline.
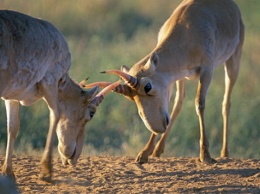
(107, 34)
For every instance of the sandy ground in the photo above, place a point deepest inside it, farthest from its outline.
(109, 174)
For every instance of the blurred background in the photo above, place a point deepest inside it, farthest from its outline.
(106, 34)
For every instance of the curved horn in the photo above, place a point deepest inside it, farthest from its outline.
(119, 88)
(83, 82)
(100, 84)
(100, 96)
(130, 80)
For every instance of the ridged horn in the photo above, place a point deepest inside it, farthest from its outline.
(130, 80)
(118, 89)
(100, 96)
(100, 84)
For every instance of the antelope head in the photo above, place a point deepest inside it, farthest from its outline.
(77, 107)
(149, 90)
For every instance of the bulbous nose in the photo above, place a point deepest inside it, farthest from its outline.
(167, 121)
(67, 151)
(157, 124)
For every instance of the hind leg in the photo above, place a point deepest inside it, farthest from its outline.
(200, 101)
(231, 73)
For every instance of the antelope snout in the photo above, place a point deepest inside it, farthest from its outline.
(166, 121)
(67, 152)
(157, 125)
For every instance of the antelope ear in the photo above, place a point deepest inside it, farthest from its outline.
(154, 59)
(62, 83)
(153, 62)
(125, 68)
(90, 94)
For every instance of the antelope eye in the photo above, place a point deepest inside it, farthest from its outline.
(91, 114)
(147, 87)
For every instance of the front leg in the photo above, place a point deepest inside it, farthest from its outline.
(204, 82)
(13, 124)
(46, 162)
(51, 97)
(143, 155)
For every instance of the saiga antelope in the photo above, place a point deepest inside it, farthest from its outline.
(198, 36)
(35, 60)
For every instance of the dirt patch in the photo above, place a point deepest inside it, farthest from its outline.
(109, 174)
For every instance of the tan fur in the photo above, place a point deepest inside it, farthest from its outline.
(198, 36)
(34, 64)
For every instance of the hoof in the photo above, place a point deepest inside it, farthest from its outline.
(207, 160)
(46, 178)
(46, 172)
(141, 159)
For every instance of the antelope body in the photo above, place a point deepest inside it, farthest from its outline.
(198, 36)
(34, 64)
